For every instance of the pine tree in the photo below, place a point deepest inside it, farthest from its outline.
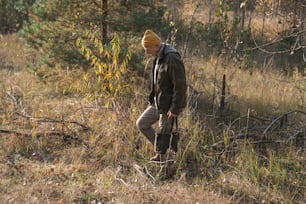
(55, 25)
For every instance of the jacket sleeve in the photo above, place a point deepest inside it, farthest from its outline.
(178, 77)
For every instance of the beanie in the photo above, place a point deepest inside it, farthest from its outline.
(150, 39)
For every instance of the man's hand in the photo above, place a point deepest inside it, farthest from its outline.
(171, 115)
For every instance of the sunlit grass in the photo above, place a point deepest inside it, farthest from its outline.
(254, 89)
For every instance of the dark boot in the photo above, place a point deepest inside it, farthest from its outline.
(174, 142)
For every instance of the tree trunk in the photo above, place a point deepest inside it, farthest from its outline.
(302, 19)
(173, 16)
(211, 5)
(263, 18)
(243, 18)
(250, 20)
(104, 23)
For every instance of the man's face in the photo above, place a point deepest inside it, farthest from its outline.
(152, 50)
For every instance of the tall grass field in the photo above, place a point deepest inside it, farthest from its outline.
(58, 146)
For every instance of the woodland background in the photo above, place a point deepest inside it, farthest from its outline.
(74, 79)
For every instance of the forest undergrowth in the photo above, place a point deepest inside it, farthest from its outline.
(59, 147)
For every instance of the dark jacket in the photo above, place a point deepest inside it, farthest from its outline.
(170, 88)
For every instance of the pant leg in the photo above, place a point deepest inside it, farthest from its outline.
(163, 137)
(165, 124)
(145, 122)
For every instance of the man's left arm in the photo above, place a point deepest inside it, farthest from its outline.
(178, 78)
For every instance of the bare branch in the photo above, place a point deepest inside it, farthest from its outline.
(296, 46)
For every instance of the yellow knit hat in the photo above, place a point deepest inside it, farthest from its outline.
(150, 39)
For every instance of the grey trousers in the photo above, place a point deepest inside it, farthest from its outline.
(148, 118)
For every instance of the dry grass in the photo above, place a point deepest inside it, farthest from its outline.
(99, 166)
(12, 52)
(254, 89)
(49, 169)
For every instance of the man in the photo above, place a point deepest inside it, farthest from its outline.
(168, 90)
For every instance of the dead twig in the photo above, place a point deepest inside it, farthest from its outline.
(144, 173)
(117, 178)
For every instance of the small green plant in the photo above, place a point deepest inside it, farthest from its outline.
(107, 78)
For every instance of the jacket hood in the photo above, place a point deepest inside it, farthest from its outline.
(166, 49)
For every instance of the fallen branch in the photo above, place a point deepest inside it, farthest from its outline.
(65, 136)
(230, 138)
(280, 118)
(50, 120)
(254, 119)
